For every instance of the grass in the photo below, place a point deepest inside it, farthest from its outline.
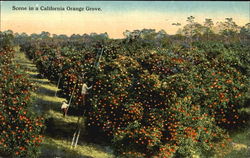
(58, 115)
(241, 140)
(62, 149)
(59, 132)
(241, 144)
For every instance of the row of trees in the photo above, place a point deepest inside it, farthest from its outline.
(227, 30)
(163, 98)
(20, 128)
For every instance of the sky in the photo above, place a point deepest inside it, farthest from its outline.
(116, 16)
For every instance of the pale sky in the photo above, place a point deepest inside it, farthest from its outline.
(116, 16)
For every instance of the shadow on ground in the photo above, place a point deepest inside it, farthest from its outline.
(46, 91)
(34, 79)
(48, 105)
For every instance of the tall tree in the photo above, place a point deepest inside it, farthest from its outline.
(192, 29)
(229, 28)
(245, 32)
(208, 25)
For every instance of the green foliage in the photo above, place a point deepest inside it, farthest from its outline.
(174, 102)
(6, 39)
(154, 95)
(20, 129)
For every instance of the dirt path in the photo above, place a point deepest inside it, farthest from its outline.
(60, 129)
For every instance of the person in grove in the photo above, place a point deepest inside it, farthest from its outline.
(85, 88)
(64, 108)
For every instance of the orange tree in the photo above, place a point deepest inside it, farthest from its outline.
(148, 104)
(20, 129)
(163, 103)
(223, 75)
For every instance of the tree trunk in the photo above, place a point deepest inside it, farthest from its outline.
(57, 86)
